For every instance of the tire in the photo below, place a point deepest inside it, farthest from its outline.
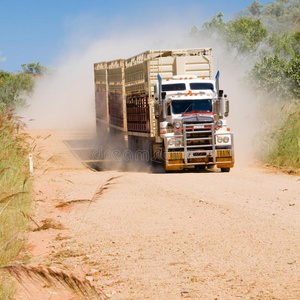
(223, 170)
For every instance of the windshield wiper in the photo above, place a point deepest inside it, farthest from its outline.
(188, 108)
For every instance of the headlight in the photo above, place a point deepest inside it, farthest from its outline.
(222, 139)
(219, 139)
(219, 123)
(177, 125)
(171, 142)
(175, 142)
(226, 139)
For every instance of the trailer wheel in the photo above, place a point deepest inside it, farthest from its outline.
(225, 170)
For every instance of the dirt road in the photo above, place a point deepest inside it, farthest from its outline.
(203, 235)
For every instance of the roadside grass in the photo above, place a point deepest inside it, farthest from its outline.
(280, 146)
(15, 196)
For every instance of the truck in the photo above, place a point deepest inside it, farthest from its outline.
(167, 104)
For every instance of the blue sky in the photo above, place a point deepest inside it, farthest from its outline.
(41, 30)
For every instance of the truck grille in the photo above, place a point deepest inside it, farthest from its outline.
(199, 144)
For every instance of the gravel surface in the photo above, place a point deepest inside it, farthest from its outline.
(145, 235)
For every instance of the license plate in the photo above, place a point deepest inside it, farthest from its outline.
(176, 155)
(198, 126)
(223, 153)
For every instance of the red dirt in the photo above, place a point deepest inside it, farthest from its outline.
(203, 235)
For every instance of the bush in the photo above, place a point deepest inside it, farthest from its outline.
(15, 196)
(285, 151)
(13, 88)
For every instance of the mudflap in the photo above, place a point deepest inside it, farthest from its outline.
(226, 165)
(174, 165)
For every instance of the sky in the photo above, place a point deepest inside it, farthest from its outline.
(46, 30)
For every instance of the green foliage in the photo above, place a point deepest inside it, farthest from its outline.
(285, 45)
(278, 16)
(245, 34)
(254, 9)
(269, 78)
(34, 68)
(285, 151)
(13, 88)
(293, 71)
(242, 35)
(216, 24)
(274, 77)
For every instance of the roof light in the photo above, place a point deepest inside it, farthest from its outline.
(228, 129)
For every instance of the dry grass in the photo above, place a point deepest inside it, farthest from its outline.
(50, 224)
(97, 194)
(15, 195)
(53, 278)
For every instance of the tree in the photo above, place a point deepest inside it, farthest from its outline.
(253, 10)
(13, 88)
(282, 45)
(281, 15)
(293, 71)
(216, 24)
(34, 68)
(245, 34)
(275, 78)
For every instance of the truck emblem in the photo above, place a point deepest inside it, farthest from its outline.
(198, 117)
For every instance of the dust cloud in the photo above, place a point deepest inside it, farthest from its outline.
(244, 117)
(65, 99)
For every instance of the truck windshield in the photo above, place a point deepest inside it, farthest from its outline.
(183, 106)
(173, 87)
(201, 86)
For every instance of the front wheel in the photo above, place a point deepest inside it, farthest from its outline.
(225, 169)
